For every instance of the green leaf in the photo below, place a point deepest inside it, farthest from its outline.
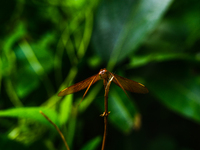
(92, 144)
(31, 113)
(178, 90)
(65, 109)
(35, 60)
(138, 61)
(18, 33)
(120, 30)
(0, 73)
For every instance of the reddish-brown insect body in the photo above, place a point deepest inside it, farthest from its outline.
(123, 83)
(103, 73)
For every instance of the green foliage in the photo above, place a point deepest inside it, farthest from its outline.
(92, 145)
(179, 92)
(130, 21)
(31, 113)
(47, 45)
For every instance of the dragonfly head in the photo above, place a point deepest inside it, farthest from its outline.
(103, 73)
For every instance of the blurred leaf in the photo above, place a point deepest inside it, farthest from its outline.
(8, 144)
(0, 73)
(122, 109)
(35, 60)
(120, 30)
(163, 142)
(12, 94)
(26, 85)
(8, 57)
(138, 61)
(31, 113)
(43, 52)
(65, 109)
(191, 20)
(94, 61)
(92, 93)
(177, 90)
(72, 127)
(17, 34)
(92, 144)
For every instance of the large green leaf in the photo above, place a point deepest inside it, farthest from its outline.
(120, 30)
(177, 89)
(31, 113)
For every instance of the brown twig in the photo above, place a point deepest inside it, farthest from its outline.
(61, 135)
(106, 113)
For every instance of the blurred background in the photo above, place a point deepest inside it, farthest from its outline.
(48, 45)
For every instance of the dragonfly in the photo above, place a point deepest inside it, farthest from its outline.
(124, 83)
(107, 77)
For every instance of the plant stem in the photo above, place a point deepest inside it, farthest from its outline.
(106, 113)
(56, 127)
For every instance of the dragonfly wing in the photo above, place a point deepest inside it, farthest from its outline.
(129, 85)
(80, 85)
